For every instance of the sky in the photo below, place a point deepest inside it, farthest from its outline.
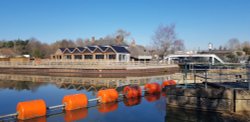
(198, 22)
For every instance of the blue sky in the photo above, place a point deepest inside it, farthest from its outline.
(198, 22)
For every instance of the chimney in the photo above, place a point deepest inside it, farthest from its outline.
(133, 43)
(92, 40)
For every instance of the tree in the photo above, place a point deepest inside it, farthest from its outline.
(120, 36)
(246, 47)
(178, 45)
(163, 39)
(232, 58)
(233, 44)
(79, 42)
(37, 49)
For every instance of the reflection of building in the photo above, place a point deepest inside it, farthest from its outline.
(89, 84)
(116, 53)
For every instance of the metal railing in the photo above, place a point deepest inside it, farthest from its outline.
(243, 77)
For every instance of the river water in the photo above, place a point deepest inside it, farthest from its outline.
(16, 88)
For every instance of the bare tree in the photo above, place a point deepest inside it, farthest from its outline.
(233, 44)
(121, 35)
(35, 48)
(79, 42)
(178, 45)
(246, 47)
(163, 39)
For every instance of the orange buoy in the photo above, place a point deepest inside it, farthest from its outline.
(105, 108)
(132, 102)
(75, 101)
(132, 91)
(152, 88)
(31, 109)
(153, 97)
(107, 95)
(168, 83)
(75, 115)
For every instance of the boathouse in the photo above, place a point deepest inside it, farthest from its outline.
(93, 53)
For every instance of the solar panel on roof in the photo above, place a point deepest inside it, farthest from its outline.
(71, 49)
(91, 48)
(103, 48)
(62, 49)
(81, 48)
(120, 49)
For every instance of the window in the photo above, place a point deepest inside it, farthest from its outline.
(88, 56)
(112, 56)
(78, 56)
(68, 57)
(99, 56)
(121, 57)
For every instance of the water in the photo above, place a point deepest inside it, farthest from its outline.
(16, 88)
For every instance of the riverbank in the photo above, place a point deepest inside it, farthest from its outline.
(80, 67)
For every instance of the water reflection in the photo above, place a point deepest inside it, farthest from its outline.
(75, 114)
(185, 115)
(153, 97)
(16, 88)
(132, 101)
(32, 82)
(39, 119)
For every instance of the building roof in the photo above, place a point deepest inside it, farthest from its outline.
(7, 52)
(91, 48)
(62, 49)
(103, 48)
(120, 49)
(71, 49)
(117, 49)
(139, 51)
(81, 48)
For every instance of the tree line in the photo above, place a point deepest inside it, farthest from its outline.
(164, 41)
(37, 49)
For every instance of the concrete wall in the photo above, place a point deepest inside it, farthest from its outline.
(48, 71)
(210, 99)
(242, 101)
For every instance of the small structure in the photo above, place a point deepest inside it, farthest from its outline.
(202, 58)
(93, 53)
(139, 53)
(6, 53)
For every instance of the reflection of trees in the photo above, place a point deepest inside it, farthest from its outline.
(20, 85)
(87, 87)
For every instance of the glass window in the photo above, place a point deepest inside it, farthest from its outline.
(88, 56)
(68, 57)
(99, 56)
(112, 56)
(78, 56)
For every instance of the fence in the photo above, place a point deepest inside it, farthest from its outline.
(81, 64)
(242, 79)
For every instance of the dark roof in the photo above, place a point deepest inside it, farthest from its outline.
(81, 48)
(120, 49)
(137, 50)
(91, 48)
(62, 49)
(103, 48)
(71, 49)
